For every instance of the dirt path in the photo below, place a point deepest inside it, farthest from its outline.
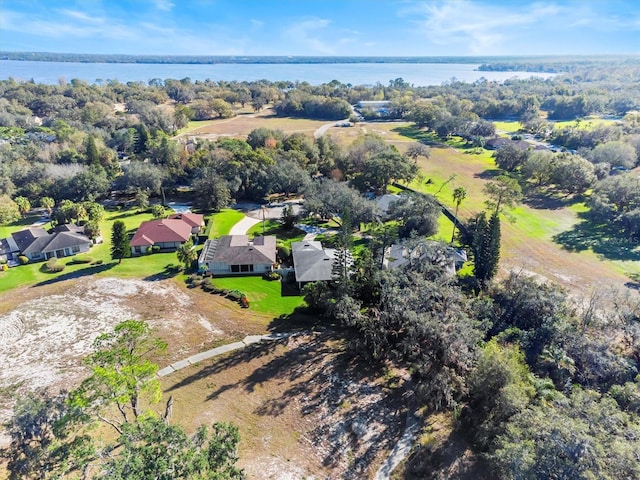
(214, 352)
(403, 448)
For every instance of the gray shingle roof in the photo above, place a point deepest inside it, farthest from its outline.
(311, 262)
(238, 250)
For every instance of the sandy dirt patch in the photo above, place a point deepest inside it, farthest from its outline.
(304, 410)
(43, 339)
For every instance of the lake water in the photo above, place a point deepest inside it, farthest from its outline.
(419, 74)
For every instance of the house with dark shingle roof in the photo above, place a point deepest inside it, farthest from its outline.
(167, 234)
(37, 244)
(237, 255)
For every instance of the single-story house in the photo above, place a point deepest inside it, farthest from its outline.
(237, 255)
(384, 202)
(196, 220)
(450, 258)
(312, 262)
(375, 105)
(9, 251)
(37, 244)
(499, 142)
(167, 234)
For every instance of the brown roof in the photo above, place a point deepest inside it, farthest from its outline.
(193, 219)
(238, 250)
(161, 231)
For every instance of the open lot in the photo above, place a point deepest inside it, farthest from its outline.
(240, 125)
(303, 409)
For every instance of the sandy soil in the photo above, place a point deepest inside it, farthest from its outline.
(303, 409)
(45, 333)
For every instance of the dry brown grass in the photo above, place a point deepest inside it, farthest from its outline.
(301, 407)
(240, 125)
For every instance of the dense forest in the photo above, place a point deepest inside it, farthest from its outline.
(539, 387)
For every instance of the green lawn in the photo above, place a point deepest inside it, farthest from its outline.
(195, 124)
(583, 123)
(153, 266)
(6, 230)
(264, 296)
(223, 221)
(509, 127)
(274, 227)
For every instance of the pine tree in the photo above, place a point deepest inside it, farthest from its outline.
(342, 259)
(119, 241)
(93, 155)
(486, 247)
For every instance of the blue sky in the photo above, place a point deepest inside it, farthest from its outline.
(327, 27)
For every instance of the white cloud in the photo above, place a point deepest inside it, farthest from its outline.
(306, 34)
(491, 29)
(164, 5)
(482, 28)
(256, 23)
(83, 17)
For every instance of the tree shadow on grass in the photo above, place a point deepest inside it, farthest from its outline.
(170, 271)
(489, 173)
(84, 272)
(603, 239)
(300, 319)
(419, 135)
(125, 215)
(547, 201)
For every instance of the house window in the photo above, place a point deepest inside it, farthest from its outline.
(60, 253)
(75, 249)
(246, 268)
(235, 268)
(36, 255)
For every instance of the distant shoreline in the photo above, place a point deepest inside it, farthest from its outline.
(283, 59)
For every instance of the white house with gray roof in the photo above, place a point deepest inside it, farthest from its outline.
(37, 244)
(237, 255)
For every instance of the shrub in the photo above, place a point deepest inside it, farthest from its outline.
(284, 252)
(80, 260)
(52, 266)
(271, 276)
(235, 295)
(22, 260)
(208, 286)
(155, 249)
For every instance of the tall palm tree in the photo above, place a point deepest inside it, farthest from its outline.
(459, 194)
(48, 203)
(187, 254)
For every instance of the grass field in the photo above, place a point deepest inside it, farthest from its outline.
(240, 125)
(274, 227)
(508, 127)
(24, 222)
(223, 221)
(264, 296)
(154, 266)
(543, 237)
